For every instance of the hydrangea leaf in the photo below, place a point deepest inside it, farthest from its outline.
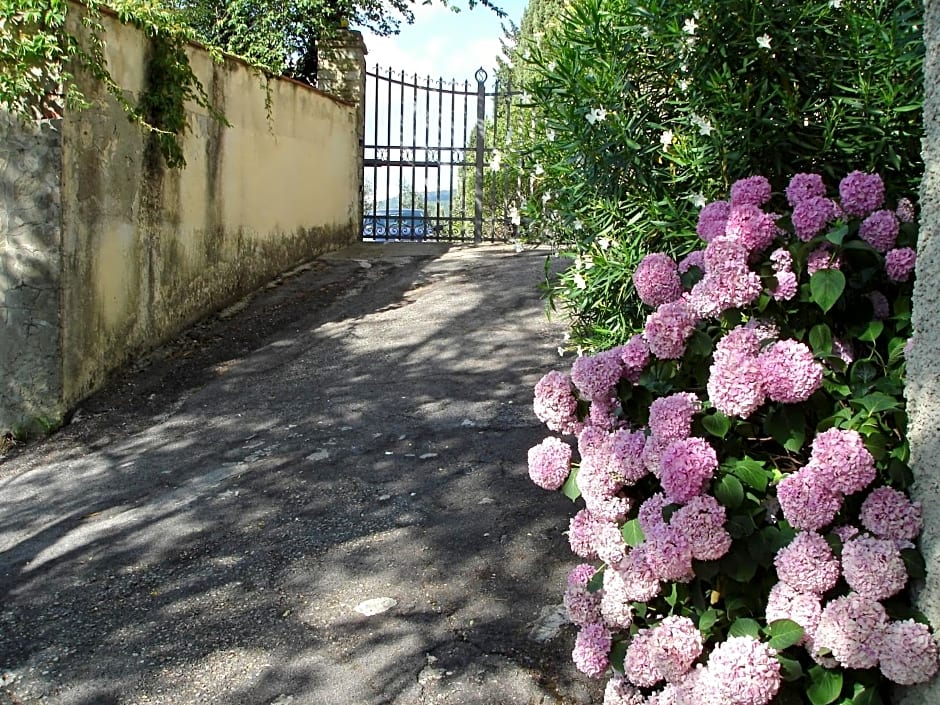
(784, 633)
(837, 235)
(717, 424)
(872, 331)
(707, 620)
(914, 563)
(826, 286)
(730, 492)
(786, 425)
(877, 401)
(820, 339)
(632, 533)
(745, 626)
(618, 653)
(751, 472)
(570, 488)
(824, 685)
(867, 696)
(597, 580)
(790, 669)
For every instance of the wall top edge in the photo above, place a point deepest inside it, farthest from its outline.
(239, 60)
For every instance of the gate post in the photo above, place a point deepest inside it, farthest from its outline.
(341, 71)
(480, 135)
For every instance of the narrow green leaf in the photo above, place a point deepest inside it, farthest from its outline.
(824, 685)
(826, 286)
(745, 626)
(570, 488)
(784, 633)
(632, 533)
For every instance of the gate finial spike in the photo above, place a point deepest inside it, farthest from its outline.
(480, 75)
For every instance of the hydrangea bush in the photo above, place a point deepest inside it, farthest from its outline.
(746, 533)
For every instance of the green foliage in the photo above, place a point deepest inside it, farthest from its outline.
(639, 112)
(40, 51)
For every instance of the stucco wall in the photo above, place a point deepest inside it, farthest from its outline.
(134, 250)
(923, 380)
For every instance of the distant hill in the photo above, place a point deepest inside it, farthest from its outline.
(393, 205)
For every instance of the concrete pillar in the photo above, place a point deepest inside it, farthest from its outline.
(341, 71)
(923, 381)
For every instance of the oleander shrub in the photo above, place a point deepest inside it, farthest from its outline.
(639, 112)
(746, 532)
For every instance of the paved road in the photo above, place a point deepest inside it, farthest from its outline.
(205, 528)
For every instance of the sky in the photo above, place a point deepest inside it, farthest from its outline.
(442, 43)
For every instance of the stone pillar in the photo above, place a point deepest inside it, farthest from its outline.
(923, 381)
(30, 275)
(341, 71)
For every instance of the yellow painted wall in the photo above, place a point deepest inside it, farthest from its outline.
(146, 249)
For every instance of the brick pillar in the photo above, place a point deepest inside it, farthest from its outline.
(341, 71)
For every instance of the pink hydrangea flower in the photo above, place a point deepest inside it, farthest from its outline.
(788, 372)
(609, 543)
(724, 252)
(807, 502)
(754, 190)
(635, 355)
(650, 513)
(899, 263)
(686, 467)
(907, 653)
(555, 404)
(784, 602)
(844, 350)
(582, 607)
(861, 193)
(592, 650)
(822, 258)
(842, 461)
(734, 382)
(712, 219)
(905, 211)
(851, 628)
(702, 522)
(693, 259)
(671, 416)
(787, 285)
(873, 567)
(550, 463)
(889, 514)
(668, 329)
(880, 230)
(880, 307)
(638, 665)
(668, 554)
(596, 375)
(663, 652)
(604, 413)
(751, 227)
(656, 279)
(626, 453)
(640, 584)
(743, 671)
(803, 186)
(615, 603)
(620, 692)
(807, 565)
(845, 532)
(728, 282)
(581, 530)
(811, 216)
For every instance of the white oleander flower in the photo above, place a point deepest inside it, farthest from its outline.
(698, 200)
(666, 138)
(596, 115)
(763, 41)
(689, 27)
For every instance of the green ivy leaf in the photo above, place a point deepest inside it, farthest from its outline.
(745, 626)
(632, 533)
(824, 685)
(877, 401)
(826, 286)
(730, 492)
(784, 633)
(820, 339)
(717, 424)
(570, 488)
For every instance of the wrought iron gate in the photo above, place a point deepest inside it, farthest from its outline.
(432, 159)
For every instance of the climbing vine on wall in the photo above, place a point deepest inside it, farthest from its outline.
(42, 51)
